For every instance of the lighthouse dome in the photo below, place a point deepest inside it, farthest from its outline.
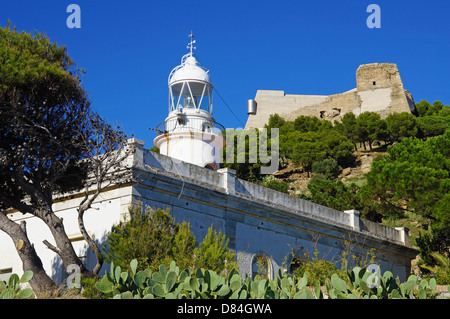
(189, 70)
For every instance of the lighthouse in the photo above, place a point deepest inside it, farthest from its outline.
(190, 133)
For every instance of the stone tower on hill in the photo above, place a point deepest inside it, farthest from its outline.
(379, 88)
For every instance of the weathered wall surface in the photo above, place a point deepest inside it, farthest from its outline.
(379, 89)
(270, 102)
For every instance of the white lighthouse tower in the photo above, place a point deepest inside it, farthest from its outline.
(189, 132)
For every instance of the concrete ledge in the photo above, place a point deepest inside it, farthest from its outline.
(353, 218)
(228, 179)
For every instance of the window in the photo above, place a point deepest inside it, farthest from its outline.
(211, 166)
(322, 114)
(5, 273)
(295, 265)
(374, 83)
(336, 111)
(206, 127)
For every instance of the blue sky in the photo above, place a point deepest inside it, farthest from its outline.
(128, 49)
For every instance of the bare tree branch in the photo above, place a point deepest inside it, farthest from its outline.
(51, 247)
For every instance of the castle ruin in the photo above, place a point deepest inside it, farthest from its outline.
(379, 89)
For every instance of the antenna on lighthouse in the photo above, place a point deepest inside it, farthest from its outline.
(190, 46)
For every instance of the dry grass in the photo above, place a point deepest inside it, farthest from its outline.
(60, 293)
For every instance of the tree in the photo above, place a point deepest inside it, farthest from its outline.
(310, 124)
(328, 168)
(242, 155)
(414, 177)
(401, 125)
(442, 268)
(307, 150)
(422, 108)
(433, 125)
(151, 237)
(213, 253)
(49, 135)
(335, 194)
(275, 120)
(279, 185)
(425, 108)
(370, 127)
(349, 127)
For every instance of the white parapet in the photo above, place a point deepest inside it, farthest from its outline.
(353, 218)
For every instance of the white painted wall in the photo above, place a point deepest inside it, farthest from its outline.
(107, 211)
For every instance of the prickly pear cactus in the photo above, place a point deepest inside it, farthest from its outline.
(12, 290)
(171, 283)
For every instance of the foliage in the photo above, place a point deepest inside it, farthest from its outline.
(318, 269)
(307, 140)
(415, 173)
(213, 253)
(27, 58)
(328, 168)
(335, 194)
(50, 141)
(441, 270)
(171, 283)
(278, 185)
(432, 241)
(433, 125)
(401, 125)
(243, 154)
(153, 237)
(425, 108)
(310, 147)
(412, 180)
(154, 149)
(349, 127)
(370, 127)
(42, 105)
(12, 290)
(89, 289)
(364, 284)
(414, 176)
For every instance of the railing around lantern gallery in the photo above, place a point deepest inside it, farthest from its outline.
(195, 125)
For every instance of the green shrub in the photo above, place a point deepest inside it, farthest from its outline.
(213, 253)
(152, 237)
(272, 183)
(328, 168)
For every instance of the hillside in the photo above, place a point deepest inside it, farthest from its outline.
(298, 179)
(355, 174)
